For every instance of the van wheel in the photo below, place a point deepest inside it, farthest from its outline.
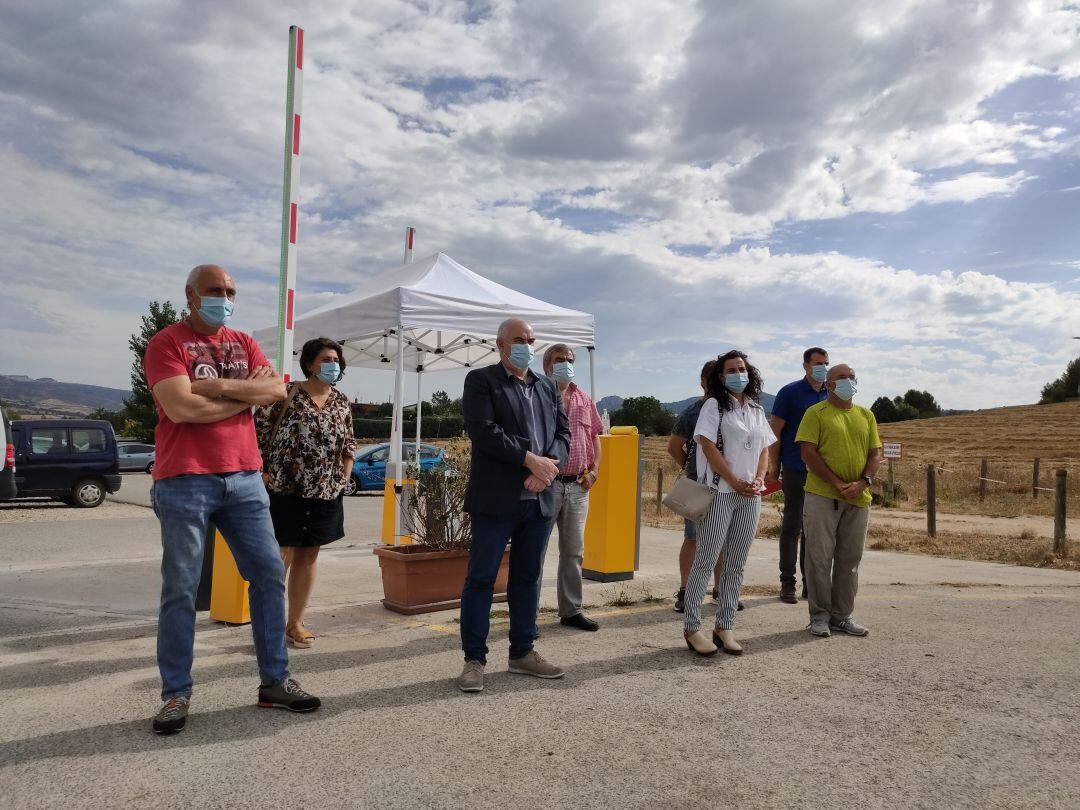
(88, 493)
(149, 468)
(353, 486)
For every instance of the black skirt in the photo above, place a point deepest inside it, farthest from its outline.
(306, 522)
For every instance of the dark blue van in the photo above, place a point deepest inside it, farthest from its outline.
(74, 460)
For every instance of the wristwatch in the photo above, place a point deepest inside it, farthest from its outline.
(869, 481)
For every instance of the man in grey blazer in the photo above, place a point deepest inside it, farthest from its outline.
(519, 438)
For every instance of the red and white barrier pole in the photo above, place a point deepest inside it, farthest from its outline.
(410, 233)
(290, 208)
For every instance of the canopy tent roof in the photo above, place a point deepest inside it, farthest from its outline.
(449, 316)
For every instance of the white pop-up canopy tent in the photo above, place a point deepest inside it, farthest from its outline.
(433, 314)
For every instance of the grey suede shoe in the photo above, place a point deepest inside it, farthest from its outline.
(172, 716)
(819, 627)
(533, 664)
(849, 626)
(471, 678)
(287, 694)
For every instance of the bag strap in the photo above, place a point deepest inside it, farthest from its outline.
(719, 440)
(293, 388)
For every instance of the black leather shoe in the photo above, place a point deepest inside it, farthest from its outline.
(580, 621)
(787, 593)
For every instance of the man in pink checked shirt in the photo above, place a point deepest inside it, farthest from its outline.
(576, 477)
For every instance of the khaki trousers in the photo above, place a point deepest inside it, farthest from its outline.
(835, 534)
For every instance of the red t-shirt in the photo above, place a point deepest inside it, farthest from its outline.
(215, 447)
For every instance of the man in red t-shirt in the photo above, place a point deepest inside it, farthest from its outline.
(205, 377)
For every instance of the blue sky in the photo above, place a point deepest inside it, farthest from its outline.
(898, 183)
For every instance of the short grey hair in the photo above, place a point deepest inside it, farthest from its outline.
(557, 347)
(193, 276)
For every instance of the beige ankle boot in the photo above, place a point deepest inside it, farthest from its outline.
(699, 643)
(725, 640)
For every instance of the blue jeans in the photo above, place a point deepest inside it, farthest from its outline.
(238, 505)
(527, 531)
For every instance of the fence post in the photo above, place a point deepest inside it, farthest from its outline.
(984, 473)
(892, 482)
(931, 500)
(1061, 544)
(659, 488)
(1035, 480)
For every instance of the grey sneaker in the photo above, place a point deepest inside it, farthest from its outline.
(287, 694)
(471, 678)
(849, 626)
(534, 664)
(819, 627)
(172, 716)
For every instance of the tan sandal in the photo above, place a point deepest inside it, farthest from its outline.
(299, 636)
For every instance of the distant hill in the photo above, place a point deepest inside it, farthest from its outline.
(612, 403)
(47, 397)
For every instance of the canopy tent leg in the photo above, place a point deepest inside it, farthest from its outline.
(592, 375)
(419, 405)
(396, 433)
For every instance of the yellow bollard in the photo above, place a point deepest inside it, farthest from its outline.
(229, 591)
(389, 504)
(613, 529)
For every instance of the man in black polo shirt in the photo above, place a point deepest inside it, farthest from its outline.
(786, 464)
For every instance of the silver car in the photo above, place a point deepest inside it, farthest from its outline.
(135, 457)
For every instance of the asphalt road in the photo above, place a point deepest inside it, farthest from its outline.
(966, 693)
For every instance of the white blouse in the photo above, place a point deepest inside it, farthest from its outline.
(746, 432)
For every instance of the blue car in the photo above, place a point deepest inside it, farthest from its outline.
(369, 468)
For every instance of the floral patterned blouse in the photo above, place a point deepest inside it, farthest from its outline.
(305, 459)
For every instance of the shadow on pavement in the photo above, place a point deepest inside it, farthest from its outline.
(246, 722)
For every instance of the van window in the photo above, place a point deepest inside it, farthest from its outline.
(48, 441)
(88, 440)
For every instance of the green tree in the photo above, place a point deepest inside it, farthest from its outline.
(646, 414)
(116, 418)
(442, 405)
(12, 414)
(139, 408)
(885, 410)
(1067, 386)
(923, 402)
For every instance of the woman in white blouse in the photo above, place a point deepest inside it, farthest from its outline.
(732, 435)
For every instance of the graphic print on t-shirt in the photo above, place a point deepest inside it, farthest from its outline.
(227, 360)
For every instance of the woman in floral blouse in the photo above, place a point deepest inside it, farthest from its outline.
(306, 462)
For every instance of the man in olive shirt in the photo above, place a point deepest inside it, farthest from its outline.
(840, 445)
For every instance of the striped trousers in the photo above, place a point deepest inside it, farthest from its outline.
(728, 526)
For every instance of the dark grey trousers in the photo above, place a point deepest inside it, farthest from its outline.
(792, 535)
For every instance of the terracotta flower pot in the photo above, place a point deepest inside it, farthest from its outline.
(419, 580)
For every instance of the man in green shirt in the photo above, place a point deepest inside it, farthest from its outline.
(840, 445)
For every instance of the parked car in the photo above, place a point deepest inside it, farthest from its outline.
(7, 464)
(369, 468)
(135, 456)
(74, 460)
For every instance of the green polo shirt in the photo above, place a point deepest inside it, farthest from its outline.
(844, 438)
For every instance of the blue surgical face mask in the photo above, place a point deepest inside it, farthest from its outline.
(329, 372)
(215, 311)
(562, 372)
(819, 373)
(845, 389)
(521, 355)
(736, 381)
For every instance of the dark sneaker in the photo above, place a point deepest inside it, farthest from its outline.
(787, 593)
(471, 678)
(680, 600)
(716, 594)
(819, 627)
(287, 694)
(849, 626)
(532, 663)
(740, 606)
(172, 716)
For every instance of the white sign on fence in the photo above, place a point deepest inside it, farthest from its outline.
(892, 449)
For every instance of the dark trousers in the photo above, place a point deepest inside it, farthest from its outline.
(527, 531)
(792, 537)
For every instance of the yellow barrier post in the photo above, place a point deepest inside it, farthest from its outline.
(229, 593)
(389, 505)
(613, 527)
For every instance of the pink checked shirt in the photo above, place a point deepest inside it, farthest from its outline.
(584, 426)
